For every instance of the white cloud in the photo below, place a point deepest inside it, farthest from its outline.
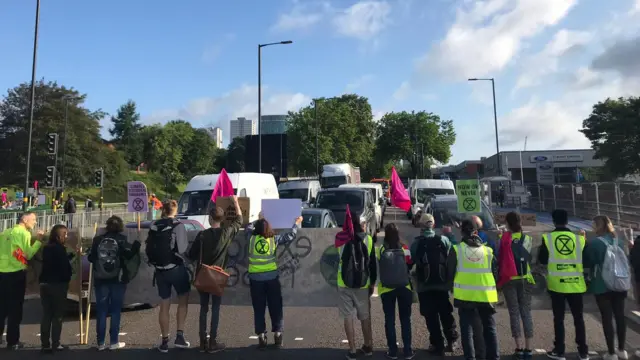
(364, 20)
(636, 7)
(301, 17)
(358, 83)
(240, 102)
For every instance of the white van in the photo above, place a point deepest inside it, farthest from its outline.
(305, 190)
(194, 202)
(421, 189)
(378, 197)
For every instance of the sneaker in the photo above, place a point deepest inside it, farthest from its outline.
(17, 346)
(555, 356)
(164, 346)
(409, 354)
(622, 354)
(366, 350)
(215, 346)
(391, 355)
(518, 354)
(352, 355)
(181, 342)
(46, 349)
(262, 341)
(204, 345)
(60, 348)
(527, 354)
(277, 339)
(102, 347)
(584, 356)
(117, 346)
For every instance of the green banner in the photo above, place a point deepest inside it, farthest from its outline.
(468, 192)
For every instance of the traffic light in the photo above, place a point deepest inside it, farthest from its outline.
(98, 178)
(51, 176)
(52, 143)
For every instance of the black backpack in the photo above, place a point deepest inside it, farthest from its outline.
(521, 256)
(432, 261)
(355, 264)
(161, 247)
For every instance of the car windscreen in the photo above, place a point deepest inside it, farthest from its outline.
(445, 213)
(294, 194)
(333, 181)
(423, 193)
(340, 199)
(311, 221)
(194, 203)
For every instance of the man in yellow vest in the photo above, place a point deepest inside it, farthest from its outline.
(15, 250)
(474, 291)
(562, 251)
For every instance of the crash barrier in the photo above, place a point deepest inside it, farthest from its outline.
(308, 269)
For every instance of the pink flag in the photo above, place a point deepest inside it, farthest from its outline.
(346, 234)
(223, 186)
(399, 196)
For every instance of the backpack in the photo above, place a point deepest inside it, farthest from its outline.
(432, 260)
(521, 256)
(355, 264)
(107, 264)
(393, 268)
(615, 268)
(161, 247)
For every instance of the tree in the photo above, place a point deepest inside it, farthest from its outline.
(170, 150)
(201, 154)
(614, 131)
(418, 137)
(125, 132)
(345, 130)
(235, 155)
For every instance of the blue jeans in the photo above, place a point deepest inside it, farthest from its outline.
(215, 314)
(109, 299)
(404, 297)
(490, 335)
(267, 294)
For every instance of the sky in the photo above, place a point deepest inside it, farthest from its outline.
(196, 60)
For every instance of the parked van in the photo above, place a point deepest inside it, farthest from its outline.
(305, 190)
(377, 195)
(195, 200)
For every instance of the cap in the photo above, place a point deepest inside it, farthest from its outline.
(426, 220)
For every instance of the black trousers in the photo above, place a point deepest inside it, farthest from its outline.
(12, 289)
(611, 305)
(576, 305)
(437, 309)
(54, 299)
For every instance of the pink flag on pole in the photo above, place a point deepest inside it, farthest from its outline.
(399, 196)
(346, 234)
(223, 186)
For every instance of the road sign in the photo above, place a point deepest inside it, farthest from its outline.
(468, 196)
(137, 197)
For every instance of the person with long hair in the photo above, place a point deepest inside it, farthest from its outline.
(403, 296)
(611, 303)
(264, 279)
(54, 284)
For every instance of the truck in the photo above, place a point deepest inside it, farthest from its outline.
(334, 175)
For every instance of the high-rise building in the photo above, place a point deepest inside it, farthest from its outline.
(216, 135)
(273, 124)
(242, 127)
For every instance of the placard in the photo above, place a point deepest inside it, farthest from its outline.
(226, 202)
(137, 197)
(468, 192)
(281, 213)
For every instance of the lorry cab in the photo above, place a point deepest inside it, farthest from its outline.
(195, 201)
(334, 175)
(305, 190)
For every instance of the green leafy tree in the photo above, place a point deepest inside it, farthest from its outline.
(345, 129)
(125, 132)
(200, 154)
(235, 155)
(418, 137)
(614, 131)
(170, 149)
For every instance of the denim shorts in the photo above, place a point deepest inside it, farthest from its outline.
(177, 278)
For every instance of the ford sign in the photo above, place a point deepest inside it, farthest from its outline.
(540, 158)
(545, 167)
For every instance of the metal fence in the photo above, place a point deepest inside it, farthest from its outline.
(618, 201)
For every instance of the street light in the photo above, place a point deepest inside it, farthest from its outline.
(495, 118)
(260, 46)
(25, 199)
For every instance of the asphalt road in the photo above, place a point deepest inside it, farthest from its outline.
(310, 333)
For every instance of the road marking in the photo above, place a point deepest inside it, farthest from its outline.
(593, 353)
(77, 334)
(5, 334)
(345, 341)
(253, 337)
(121, 334)
(38, 334)
(636, 313)
(375, 295)
(541, 351)
(298, 339)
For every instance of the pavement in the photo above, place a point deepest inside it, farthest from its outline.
(310, 332)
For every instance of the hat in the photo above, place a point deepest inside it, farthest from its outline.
(426, 220)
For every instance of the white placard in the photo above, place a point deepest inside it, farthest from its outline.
(281, 213)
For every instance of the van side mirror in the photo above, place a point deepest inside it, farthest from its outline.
(413, 201)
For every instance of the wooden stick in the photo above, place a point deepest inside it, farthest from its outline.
(79, 274)
(86, 333)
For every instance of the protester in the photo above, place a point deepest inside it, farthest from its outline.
(516, 250)
(562, 252)
(610, 302)
(265, 287)
(394, 260)
(54, 284)
(16, 250)
(165, 248)
(430, 252)
(210, 248)
(483, 235)
(474, 291)
(70, 210)
(110, 278)
(357, 275)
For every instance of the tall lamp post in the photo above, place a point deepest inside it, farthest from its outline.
(260, 46)
(25, 199)
(495, 119)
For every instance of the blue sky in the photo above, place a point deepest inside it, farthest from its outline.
(197, 59)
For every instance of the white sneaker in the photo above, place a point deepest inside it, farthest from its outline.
(102, 347)
(622, 354)
(116, 346)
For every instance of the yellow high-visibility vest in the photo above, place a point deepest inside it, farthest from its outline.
(565, 270)
(474, 279)
(340, 249)
(262, 255)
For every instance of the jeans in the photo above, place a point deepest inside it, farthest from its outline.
(267, 294)
(576, 307)
(12, 289)
(404, 297)
(215, 315)
(54, 299)
(490, 336)
(611, 305)
(70, 220)
(436, 307)
(109, 299)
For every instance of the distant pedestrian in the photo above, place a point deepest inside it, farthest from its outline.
(89, 204)
(70, 210)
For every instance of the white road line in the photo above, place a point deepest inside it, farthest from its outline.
(77, 334)
(540, 351)
(298, 339)
(375, 295)
(38, 334)
(593, 353)
(253, 337)
(5, 334)
(345, 341)
(636, 313)
(121, 334)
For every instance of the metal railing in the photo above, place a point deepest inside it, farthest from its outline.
(618, 201)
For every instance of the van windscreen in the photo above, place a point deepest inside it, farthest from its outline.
(194, 203)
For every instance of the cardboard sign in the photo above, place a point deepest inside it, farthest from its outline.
(137, 197)
(525, 219)
(468, 192)
(226, 202)
(281, 213)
